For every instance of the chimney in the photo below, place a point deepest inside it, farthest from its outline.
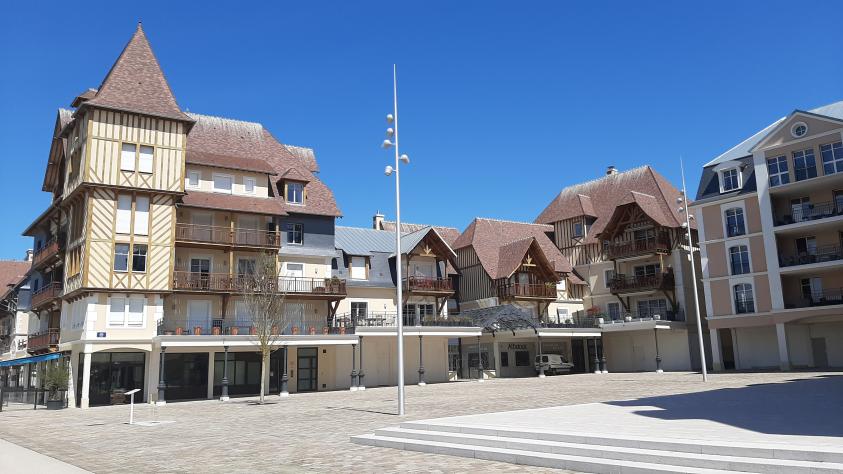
(611, 170)
(377, 221)
(28, 257)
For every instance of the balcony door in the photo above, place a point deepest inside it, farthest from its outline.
(200, 273)
(247, 230)
(806, 249)
(293, 280)
(202, 226)
(424, 270)
(199, 314)
(801, 209)
(838, 202)
(308, 367)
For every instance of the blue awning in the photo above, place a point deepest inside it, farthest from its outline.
(30, 360)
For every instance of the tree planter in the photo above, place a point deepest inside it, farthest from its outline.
(55, 404)
(179, 331)
(215, 331)
(197, 331)
(326, 330)
(342, 330)
(312, 331)
(234, 330)
(295, 330)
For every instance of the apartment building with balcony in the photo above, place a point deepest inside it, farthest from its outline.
(367, 260)
(770, 215)
(517, 286)
(626, 241)
(14, 312)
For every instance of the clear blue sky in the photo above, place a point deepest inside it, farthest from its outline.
(501, 105)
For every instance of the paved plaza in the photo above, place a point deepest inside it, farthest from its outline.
(310, 432)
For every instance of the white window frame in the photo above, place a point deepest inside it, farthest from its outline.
(783, 177)
(737, 281)
(606, 278)
(190, 175)
(250, 182)
(288, 231)
(229, 177)
(351, 273)
(738, 243)
(145, 165)
(834, 159)
(128, 162)
(722, 178)
(132, 258)
(287, 197)
(128, 258)
(127, 302)
(731, 205)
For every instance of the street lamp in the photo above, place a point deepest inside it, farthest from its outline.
(389, 171)
(683, 209)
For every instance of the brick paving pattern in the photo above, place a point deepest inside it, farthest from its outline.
(310, 432)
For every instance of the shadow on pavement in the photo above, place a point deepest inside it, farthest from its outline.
(803, 407)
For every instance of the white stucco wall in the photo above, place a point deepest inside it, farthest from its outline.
(635, 351)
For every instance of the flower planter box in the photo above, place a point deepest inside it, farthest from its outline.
(55, 404)
(179, 331)
(215, 331)
(295, 330)
(312, 331)
(234, 330)
(197, 331)
(326, 330)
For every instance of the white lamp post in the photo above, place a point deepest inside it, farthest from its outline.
(389, 171)
(687, 225)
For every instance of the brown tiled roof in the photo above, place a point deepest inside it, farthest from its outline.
(448, 234)
(198, 157)
(489, 236)
(606, 193)
(12, 272)
(229, 202)
(306, 156)
(136, 83)
(512, 255)
(295, 174)
(85, 96)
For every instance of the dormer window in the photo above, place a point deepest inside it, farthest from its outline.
(730, 180)
(578, 229)
(295, 193)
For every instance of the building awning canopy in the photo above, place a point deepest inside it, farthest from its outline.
(30, 360)
(502, 318)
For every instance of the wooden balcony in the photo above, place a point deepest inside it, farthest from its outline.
(46, 295)
(428, 286)
(214, 236)
(527, 291)
(47, 254)
(636, 284)
(44, 341)
(637, 248)
(300, 287)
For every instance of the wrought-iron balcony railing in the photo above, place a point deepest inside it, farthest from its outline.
(46, 254)
(825, 253)
(821, 297)
(633, 248)
(508, 291)
(226, 283)
(428, 285)
(46, 295)
(388, 319)
(635, 283)
(809, 212)
(630, 316)
(44, 341)
(245, 327)
(227, 236)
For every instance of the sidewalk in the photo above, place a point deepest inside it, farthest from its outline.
(15, 459)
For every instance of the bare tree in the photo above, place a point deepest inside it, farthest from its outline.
(264, 300)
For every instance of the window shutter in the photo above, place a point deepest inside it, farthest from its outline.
(124, 213)
(136, 307)
(116, 311)
(145, 159)
(142, 215)
(127, 157)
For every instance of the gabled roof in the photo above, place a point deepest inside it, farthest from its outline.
(12, 272)
(744, 148)
(272, 206)
(136, 83)
(295, 174)
(238, 144)
(647, 203)
(608, 192)
(512, 255)
(360, 241)
(488, 236)
(449, 234)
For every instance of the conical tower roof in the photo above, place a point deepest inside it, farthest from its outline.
(136, 83)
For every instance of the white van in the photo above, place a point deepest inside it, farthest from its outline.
(553, 364)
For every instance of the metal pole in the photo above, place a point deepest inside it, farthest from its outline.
(284, 377)
(400, 321)
(224, 394)
(132, 409)
(360, 385)
(658, 355)
(353, 367)
(421, 363)
(161, 384)
(479, 361)
(595, 362)
(693, 273)
(541, 363)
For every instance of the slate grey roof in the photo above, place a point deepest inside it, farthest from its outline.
(834, 110)
(362, 241)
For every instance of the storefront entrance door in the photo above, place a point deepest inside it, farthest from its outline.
(307, 369)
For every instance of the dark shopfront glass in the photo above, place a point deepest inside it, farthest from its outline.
(113, 374)
(186, 376)
(244, 370)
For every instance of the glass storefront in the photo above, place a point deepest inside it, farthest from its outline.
(186, 376)
(113, 374)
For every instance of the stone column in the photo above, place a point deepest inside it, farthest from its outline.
(162, 384)
(658, 355)
(360, 375)
(603, 367)
(353, 368)
(479, 361)
(421, 363)
(784, 355)
(224, 392)
(86, 380)
(716, 351)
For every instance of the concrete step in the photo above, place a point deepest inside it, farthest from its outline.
(626, 454)
(731, 448)
(528, 458)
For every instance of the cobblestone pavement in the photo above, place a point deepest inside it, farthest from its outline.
(310, 432)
